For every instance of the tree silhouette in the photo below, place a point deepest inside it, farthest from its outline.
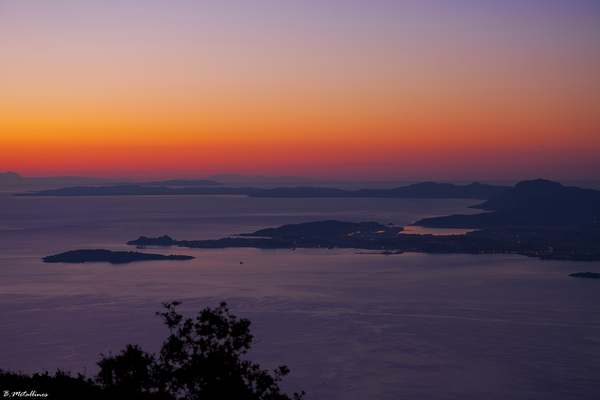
(201, 359)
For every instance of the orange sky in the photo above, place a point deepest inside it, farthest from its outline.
(365, 90)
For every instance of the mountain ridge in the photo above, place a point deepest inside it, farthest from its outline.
(426, 190)
(536, 202)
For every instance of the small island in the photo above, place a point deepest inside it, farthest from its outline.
(113, 257)
(592, 275)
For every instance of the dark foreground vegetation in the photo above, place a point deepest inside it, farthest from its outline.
(201, 359)
(61, 385)
(113, 257)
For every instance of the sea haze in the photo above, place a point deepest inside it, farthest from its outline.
(349, 326)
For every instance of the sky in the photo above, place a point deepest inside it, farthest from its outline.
(330, 89)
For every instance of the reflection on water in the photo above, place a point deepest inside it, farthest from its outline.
(421, 230)
(349, 326)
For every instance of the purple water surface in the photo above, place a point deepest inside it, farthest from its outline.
(349, 326)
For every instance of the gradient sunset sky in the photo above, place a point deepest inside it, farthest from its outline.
(353, 89)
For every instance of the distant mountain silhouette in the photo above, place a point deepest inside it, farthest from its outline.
(183, 182)
(432, 190)
(537, 202)
(420, 190)
(12, 178)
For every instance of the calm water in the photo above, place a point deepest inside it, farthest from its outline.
(349, 326)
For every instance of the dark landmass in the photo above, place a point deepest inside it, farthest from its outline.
(592, 275)
(432, 190)
(556, 244)
(322, 228)
(520, 192)
(260, 243)
(538, 218)
(535, 218)
(538, 203)
(311, 234)
(113, 257)
(420, 190)
(12, 178)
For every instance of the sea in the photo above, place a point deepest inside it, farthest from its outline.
(348, 325)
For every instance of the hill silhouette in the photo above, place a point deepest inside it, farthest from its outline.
(522, 192)
(12, 178)
(321, 228)
(538, 202)
(183, 182)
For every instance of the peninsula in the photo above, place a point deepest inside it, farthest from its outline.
(113, 257)
(536, 218)
(561, 245)
(592, 275)
(364, 235)
(539, 203)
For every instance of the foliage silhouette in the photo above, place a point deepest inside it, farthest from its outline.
(201, 359)
(60, 386)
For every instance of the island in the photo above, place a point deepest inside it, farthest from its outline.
(592, 275)
(113, 257)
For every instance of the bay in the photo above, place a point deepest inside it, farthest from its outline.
(349, 326)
